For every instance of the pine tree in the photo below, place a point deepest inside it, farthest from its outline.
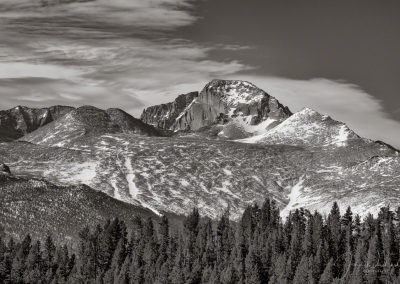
(279, 270)
(308, 244)
(264, 249)
(359, 267)
(229, 276)
(48, 258)
(33, 269)
(164, 241)
(224, 238)
(390, 247)
(240, 253)
(18, 264)
(295, 250)
(253, 267)
(372, 261)
(302, 271)
(327, 275)
(3, 266)
(336, 240)
(349, 253)
(347, 218)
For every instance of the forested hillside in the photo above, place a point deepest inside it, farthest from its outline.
(260, 248)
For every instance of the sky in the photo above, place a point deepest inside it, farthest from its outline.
(339, 57)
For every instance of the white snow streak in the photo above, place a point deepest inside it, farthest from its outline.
(342, 136)
(130, 177)
(294, 198)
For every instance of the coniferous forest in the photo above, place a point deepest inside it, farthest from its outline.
(259, 248)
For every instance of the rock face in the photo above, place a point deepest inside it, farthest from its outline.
(221, 101)
(164, 116)
(237, 109)
(5, 169)
(18, 121)
(89, 120)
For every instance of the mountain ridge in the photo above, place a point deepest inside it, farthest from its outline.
(88, 120)
(249, 146)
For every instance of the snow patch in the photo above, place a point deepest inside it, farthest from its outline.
(185, 110)
(342, 137)
(130, 177)
(75, 173)
(227, 172)
(184, 182)
(294, 198)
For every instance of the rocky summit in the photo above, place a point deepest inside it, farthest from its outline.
(234, 145)
(237, 109)
(18, 121)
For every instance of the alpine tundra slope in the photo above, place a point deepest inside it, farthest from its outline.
(229, 145)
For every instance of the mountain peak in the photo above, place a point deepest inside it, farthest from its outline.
(89, 120)
(233, 83)
(307, 127)
(308, 111)
(240, 104)
(235, 92)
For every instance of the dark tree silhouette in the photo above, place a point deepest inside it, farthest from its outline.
(259, 248)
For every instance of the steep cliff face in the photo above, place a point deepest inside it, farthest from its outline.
(229, 108)
(163, 116)
(238, 105)
(18, 121)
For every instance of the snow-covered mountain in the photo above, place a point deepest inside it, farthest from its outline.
(86, 121)
(309, 128)
(254, 148)
(234, 109)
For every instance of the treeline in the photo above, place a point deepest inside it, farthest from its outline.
(260, 248)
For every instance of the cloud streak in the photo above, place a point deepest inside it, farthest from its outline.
(105, 53)
(149, 14)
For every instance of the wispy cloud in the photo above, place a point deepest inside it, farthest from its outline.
(106, 53)
(24, 70)
(149, 14)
